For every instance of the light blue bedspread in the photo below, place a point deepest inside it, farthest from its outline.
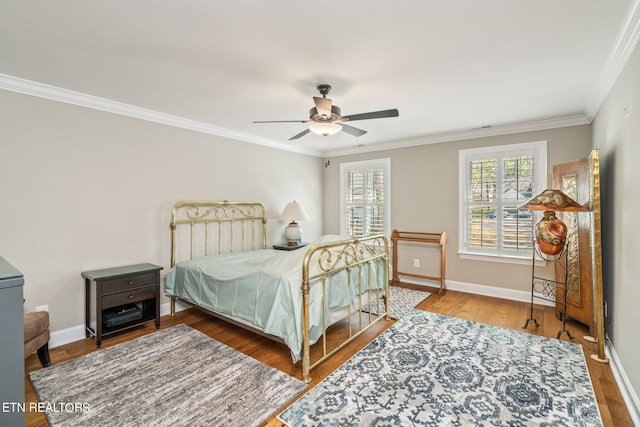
(263, 288)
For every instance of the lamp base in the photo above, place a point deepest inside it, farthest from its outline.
(551, 234)
(293, 234)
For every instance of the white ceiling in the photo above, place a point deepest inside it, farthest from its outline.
(450, 67)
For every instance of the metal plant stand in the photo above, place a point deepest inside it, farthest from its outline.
(550, 289)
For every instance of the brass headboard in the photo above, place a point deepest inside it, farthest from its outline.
(214, 227)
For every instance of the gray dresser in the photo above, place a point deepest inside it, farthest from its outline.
(11, 346)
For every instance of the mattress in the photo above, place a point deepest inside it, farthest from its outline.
(262, 287)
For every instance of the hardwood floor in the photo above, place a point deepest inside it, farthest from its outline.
(504, 313)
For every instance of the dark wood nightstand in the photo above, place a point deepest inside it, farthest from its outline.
(122, 297)
(285, 247)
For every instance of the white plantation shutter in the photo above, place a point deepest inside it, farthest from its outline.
(365, 198)
(494, 181)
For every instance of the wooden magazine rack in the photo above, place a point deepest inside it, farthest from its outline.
(419, 237)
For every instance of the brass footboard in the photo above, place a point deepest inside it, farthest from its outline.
(369, 258)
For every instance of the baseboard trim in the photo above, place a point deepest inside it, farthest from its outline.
(624, 384)
(474, 288)
(76, 333)
(65, 336)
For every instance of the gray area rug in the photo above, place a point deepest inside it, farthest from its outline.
(433, 370)
(402, 301)
(174, 377)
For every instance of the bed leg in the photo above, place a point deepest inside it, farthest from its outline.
(305, 374)
(386, 300)
(306, 351)
(173, 307)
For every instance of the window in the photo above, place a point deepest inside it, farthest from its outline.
(494, 181)
(364, 193)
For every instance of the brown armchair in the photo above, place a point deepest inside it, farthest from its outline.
(36, 335)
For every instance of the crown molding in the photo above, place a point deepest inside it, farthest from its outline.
(531, 126)
(41, 90)
(623, 48)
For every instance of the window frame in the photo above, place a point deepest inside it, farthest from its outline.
(364, 165)
(539, 151)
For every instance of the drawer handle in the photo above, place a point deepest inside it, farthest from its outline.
(131, 282)
(130, 297)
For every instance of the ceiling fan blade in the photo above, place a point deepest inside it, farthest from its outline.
(301, 134)
(282, 121)
(352, 131)
(372, 115)
(323, 106)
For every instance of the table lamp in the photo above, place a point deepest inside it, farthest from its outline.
(293, 232)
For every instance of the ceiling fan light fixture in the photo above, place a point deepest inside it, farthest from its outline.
(325, 129)
(325, 117)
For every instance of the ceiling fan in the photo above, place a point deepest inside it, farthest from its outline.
(327, 119)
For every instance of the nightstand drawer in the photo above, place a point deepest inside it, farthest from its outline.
(133, 295)
(125, 283)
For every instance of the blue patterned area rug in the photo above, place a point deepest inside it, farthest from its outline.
(402, 301)
(434, 370)
(174, 377)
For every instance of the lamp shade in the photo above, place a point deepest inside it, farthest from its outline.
(325, 129)
(553, 200)
(293, 211)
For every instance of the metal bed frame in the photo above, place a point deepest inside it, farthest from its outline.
(217, 227)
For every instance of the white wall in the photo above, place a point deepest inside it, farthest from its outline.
(618, 139)
(82, 189)
(424, 197)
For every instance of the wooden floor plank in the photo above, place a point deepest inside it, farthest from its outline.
(499, 312)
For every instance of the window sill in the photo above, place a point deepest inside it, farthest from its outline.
(507, 259)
